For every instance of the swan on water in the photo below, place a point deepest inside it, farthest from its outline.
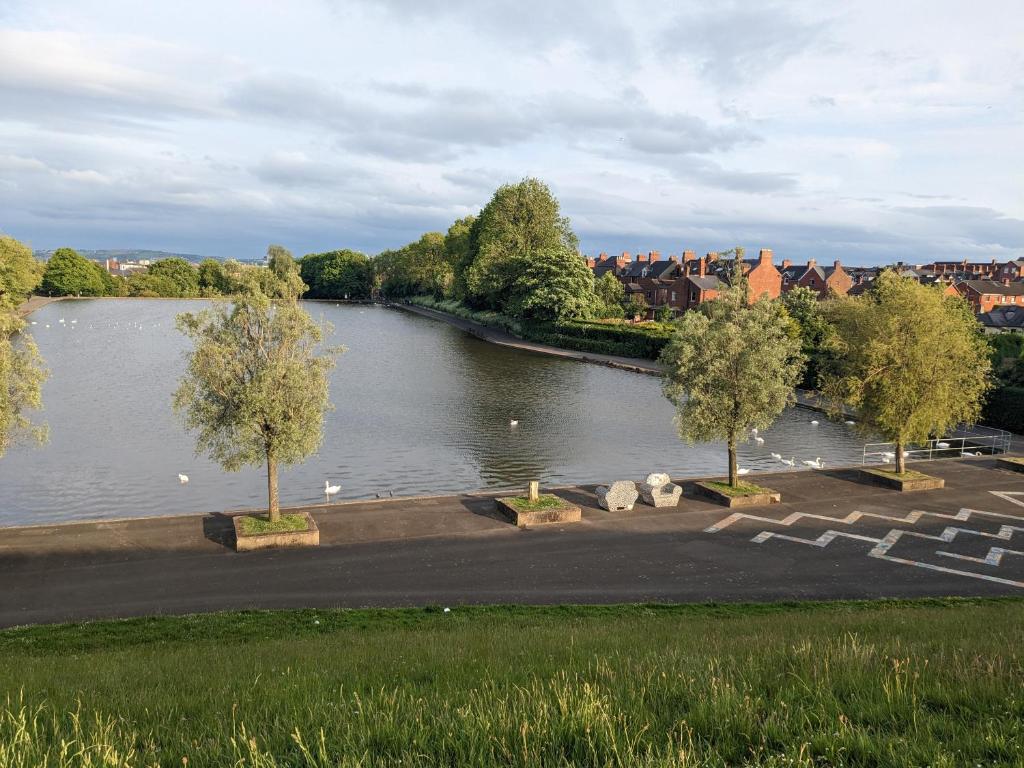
(759, 440)
(849, 423)
(777, 456)
(942, 445)
(742, 471)
(753, 431)
(513, 423)
(817, 463)
(329, 489)
(814, 423)
(183, 479)
(791, 461)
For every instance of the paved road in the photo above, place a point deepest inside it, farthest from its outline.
(451, 551)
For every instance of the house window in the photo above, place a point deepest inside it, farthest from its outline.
(673, 296)
(693, 295)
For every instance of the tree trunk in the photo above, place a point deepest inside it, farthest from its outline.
(733, 474)
(273, 503)
(901, 463)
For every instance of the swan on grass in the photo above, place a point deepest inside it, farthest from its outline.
(329, 489)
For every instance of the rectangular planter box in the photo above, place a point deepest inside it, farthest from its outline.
(899, 484)
(248, 542)
(1014, 465)
(747, 500)
(566, 513)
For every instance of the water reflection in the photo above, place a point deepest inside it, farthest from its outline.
(420, 408)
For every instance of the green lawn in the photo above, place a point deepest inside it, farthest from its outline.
(253, 525)
(934, 682)
(741, 489)
(544, 501)
(910, 474)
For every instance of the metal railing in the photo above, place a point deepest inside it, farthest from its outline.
(965, 441)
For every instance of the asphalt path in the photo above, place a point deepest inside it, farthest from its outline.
(833, 537)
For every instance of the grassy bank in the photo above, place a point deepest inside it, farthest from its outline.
(927, 683)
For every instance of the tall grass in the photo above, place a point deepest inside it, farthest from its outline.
(900, 685)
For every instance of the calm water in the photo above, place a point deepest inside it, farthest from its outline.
(420, 408)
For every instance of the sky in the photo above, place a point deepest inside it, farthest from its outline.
(870, 132)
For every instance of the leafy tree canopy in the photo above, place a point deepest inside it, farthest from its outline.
(911, 360)
(337, 275)
(213, 280)
(730, 366)
(519, 221)
(20, 273)
(181, 273)
(68, 273)
(21, 381)
(255, 389)
(555, 284)
(610, 295)
(418, 268)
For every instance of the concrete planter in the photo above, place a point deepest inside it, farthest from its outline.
(1012, 464)
(246, 542)
(565, 512)
(743, 500)
(925, 483)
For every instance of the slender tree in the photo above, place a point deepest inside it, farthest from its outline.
(909, 359)
(730, 366)
(255, 389)
(21, 381)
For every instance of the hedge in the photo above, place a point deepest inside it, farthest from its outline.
(1004, 409)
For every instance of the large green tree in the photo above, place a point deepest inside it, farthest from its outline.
(68, 273)
(418, 268)
(730, 367)
(806, 310)
(256, 387)
(337, 275)
(212, 279)
(611, 295)
(19, 272)
(458, 252)
(555, 284)
(180, 272)
(909, 359)
(520, 221)
(21, 381)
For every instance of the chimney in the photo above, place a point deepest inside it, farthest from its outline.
(591, 262)
(812, 263)
(602, 256)
(654, 256)
(766, 256)
(688, 256)
(701, 266)
(712, 256)
(674, 259)
(836, 265)
(786, 263)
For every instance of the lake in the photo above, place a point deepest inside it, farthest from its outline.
(419, 408)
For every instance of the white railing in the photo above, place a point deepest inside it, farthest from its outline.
(965, 441)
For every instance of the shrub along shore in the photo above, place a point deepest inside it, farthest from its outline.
(896, 683)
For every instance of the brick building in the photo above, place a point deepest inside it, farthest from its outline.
(984, 295)
(822, 280)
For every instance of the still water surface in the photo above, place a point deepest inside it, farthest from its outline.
(420, 408)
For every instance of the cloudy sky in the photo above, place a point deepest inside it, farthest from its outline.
(867, 131)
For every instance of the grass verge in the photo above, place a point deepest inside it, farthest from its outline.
(740, 489)
(253, 525)
(910, 474)
(894, 683)
(544, 501)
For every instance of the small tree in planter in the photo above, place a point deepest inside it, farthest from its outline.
(909, 359)
(255, 389)
(731, 366)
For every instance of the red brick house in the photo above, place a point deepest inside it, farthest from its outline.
(983, 295)
(823, 280)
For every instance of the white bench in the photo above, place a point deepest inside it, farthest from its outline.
(620, 496)
(658, 490)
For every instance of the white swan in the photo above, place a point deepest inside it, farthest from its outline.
(753, 431)
(817, 463)
(777, 456)
(742, 471)
(790, 462)
(759, 440)
(814, 423)
(849, 423)
(183, 479)
(888, 456)
(942, 445)
(329, 489)
(513, 422)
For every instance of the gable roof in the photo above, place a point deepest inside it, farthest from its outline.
(1003, 317)
(993, 286)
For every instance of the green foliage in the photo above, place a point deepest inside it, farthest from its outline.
(213, 280)
(255, 389)
(458, 252)
(805, 309)
(337, 275)
(635, 306)
(520, 221)
(254, 526)
(910, 360)
(643, 341)
(19, 272)
(610, 296)
(68, 273)
(663, 314)
(419, 268)
(146, 285)
(1004, 408)
(554, 284)
(899, 684)
(180, 273)
(730, 367)
(21, 382)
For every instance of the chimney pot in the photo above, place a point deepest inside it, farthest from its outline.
(688, 256)
(812, 263)
(701, 267)
(766, 255)
(836, 264)
(786, 263)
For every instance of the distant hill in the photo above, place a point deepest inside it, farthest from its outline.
(127, 254)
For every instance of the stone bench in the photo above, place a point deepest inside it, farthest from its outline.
(658, 490)
(620, 496)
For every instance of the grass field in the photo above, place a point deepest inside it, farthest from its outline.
(937, 683)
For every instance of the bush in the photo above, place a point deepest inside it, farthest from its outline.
(1004, 409)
